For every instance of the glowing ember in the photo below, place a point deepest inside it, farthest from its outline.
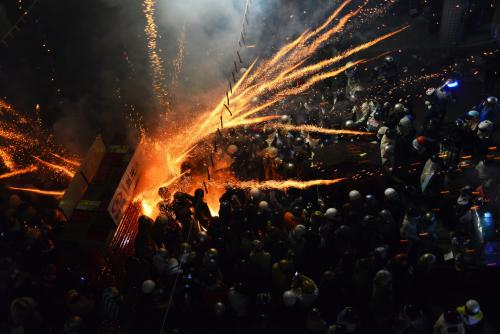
(60, 169)
(26, 170)
(54, 193)
(282, 185)
(71, 162)
(7, 159)
(11, 135)
(312, 128)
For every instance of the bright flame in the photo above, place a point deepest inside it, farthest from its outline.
(54, 193)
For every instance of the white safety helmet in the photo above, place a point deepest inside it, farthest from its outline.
(390, 193)
(255, 193)
(331, 213)
(263, 205)
(354, 195)
(485, 128)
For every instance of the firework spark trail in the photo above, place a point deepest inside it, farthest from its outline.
(285, 78)
(316, 129)
(300, 50)
(14, 136)
(54, 193)
(287, 184)
(328, 62)
(320, 77)
(282, 81)
(321, 39)
(259, 88)
(55, 167)
(18, 172)
(179, 60)
(7, 159)
(71, 162)
(151, 31)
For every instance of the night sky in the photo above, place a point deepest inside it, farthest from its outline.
(63, 58)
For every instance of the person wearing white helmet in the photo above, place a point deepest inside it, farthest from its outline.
(331, 214)
(367, 108)
(471, 313)
(355, 196)
(381, 132)
(484, 130)
(263, 206)
(391, 194)
(255, 194)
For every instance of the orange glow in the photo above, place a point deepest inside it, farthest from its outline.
(71, 162)
(316, 129)
(262, 86)
(287, 184)
(54, 193)
(7, 159)
(55, 167)
(26, 170)
(12, 135)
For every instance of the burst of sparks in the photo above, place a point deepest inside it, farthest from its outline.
(263, 85)
(54, 193)
(157, 69)
(18, 172)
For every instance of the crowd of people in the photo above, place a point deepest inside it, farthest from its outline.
(355, 257)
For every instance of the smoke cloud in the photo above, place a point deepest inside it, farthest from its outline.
(119, 89)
